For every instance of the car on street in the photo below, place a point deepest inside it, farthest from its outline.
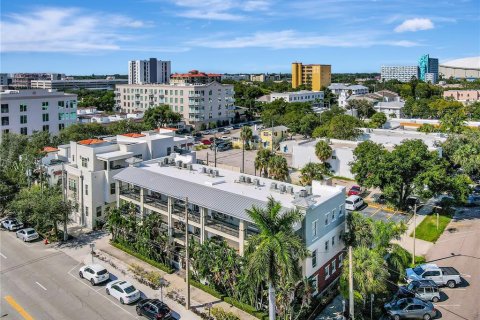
(353, 203)
(206, 142)
(476, 189)
(224, 146)
(237, 126)
(228, 129)
(205, 132)
(410, 308)
(473, 200)
(442, 276)
(221, 130)
(213, 131)
(355, 191)
(422, 289)
(28, 234)
(94, 273)
(123, 291)
(153, 309)
(12, 224)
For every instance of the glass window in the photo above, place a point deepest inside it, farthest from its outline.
(61, 126)
(326, 245)
(46, 127)
(112, 188)
(333, 241)
(4, 107)
(333, 214)
(23, 108)
(334, 265)
(45, 117)
(61, 104)
(326, 219)
(24, 130)
(86, 211)
(99, 211)
(314, 228)
(340, 260)
(23, 119)
(327, 272)
(314, 258)
(5, 121)
(84, 162)
(86, 189)
(45, 105)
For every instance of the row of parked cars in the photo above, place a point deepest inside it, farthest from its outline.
(414, 300)
(125, 292)
(25, 234)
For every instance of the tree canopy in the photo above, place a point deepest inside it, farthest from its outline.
(159, 116)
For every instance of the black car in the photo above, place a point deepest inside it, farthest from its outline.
(476, 189)
(236, 126)
(153, 309)
(423, 289)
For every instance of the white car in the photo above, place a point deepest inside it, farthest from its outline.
(27, 234)
(124, 291)
(12, 224)
(353, 203)
(94, 273)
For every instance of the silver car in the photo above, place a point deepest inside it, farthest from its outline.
(411, 308)
(28, 234)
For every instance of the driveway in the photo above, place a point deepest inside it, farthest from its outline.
(459, 247)
(379, 213)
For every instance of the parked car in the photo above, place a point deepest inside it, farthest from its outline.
(224, 146)
(353, 203)
(379, 198)
(440, 275)
(355, 191)
(226, 138)
(12, 224)
(237, 126)
(28, 234)
(206, 142)
(94, 273)
(473, 200)
(213, 131)
(423, 289)
(410, 308)
(153, 309)
(205, 132)
(228, 129)
(221, 130)
(476, 189)
(124, 291)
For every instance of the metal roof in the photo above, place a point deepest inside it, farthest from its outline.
(201, 195)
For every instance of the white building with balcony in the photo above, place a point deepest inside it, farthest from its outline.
(298, 96)
(92, 163)
(197, 103)
(217, 204)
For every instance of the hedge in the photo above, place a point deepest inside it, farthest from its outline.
(154, 263)
(247, 308)
(207, 289)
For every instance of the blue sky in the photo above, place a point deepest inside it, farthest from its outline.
(85, 37)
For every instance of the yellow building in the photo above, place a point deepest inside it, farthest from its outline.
(266, 137)
(318, 75)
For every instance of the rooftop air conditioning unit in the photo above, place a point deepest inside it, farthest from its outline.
(242, 179)
(248, 180)
(189, 166)
(172, 162)
(303, 193)
(217, 173)
(256, 182)
(273, 186)
(179, 164)
(165, 160)
(282, 188)
(185, 165)
(290, 189)
(308, 189)
(204, 170)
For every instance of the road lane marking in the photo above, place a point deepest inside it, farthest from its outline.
(448, 305)
(376, 211)
(41, 286)
(18, 308)
(76, 266)
(3, 256)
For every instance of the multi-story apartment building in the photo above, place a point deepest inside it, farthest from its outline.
(92, 164)
(217, 204)
(26, 111)
(428, 68)
(400, 73)
(198, 103)
(3, 79)
(464, 96)
(298, 96)
(93, 84)
(235, 77)
(24, 80)
(148, 71)
(195, 77)
(339, 88)
(317, 76)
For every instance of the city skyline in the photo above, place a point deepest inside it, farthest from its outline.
(86, 37)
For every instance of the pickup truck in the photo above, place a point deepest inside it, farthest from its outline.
(12, 224)
(440, 275)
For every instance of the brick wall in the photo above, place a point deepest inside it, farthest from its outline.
(323, 282)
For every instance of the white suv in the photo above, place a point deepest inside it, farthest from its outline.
(94, 273)
(353, 203)
(123, 291)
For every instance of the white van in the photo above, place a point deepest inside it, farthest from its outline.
(353, 203)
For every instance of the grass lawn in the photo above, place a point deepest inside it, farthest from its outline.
(427, 229)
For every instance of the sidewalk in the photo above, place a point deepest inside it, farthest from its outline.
(333, 311)
(421, 246)
(79, 250)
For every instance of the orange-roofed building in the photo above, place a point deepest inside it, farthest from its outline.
(133, 135)
(90, 141)
(50, 149)
(195, 77)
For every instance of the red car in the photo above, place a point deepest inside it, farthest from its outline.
(355, 191)
(206, 142)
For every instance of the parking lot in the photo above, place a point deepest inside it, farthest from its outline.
(379, 213)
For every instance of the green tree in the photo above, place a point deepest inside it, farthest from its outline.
(453, 122)
(262, 161)
(344, 127)
(159, 116)
(364, 107)
(464, 150)
(278, 168)
(308, 123)
(275, 252)
(428, 128)
(323, 151)
(126, 126)
(378, 120)
(80, 131)
(313, 171)
(246, 135)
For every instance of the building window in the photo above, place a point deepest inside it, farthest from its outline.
(327, 272)
(4, 108)
(99, 211)
(61, 126)
(45, 117)
(340, 260)
(326, 245)
(84, 162)
(23, 131)
(314, 228)
(46, 127)
(334, 266)
(333, 241)
(333, 214)
(23, 108)
(326, 219)
(314, 258)
(112, 188)
(86, 189)
(72, 185)
(340, 210)
(5, 131)
(5, 121)
(61, 104)
(23, 119)
(315, 284)
(45, 105)
(86, 211)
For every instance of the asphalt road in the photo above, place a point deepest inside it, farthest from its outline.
(459, 247)
(42, 283)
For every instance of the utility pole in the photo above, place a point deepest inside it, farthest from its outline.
(350, 283)
(215, 149)
(64, 192)
(272, 134)
(414, 230)
(187, 258)
(207, 160)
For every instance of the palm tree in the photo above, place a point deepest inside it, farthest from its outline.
(246, 136)
(278, 167)
(273, 254)
(323, 151)
(312, 171)
(262, 161)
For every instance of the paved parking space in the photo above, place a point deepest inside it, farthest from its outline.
(378, 213)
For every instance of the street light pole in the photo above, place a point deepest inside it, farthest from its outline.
(64, 192)
(187, 261)
(414, 230)
(350, 283)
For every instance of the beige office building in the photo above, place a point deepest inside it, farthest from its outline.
(316, 75)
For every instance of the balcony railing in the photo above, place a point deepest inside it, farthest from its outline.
(130, 193)
(179, 211)
(157, 203)
(223, 226)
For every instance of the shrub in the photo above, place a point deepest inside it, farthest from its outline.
(131, 252)
(220, 314)
(246, 307)
(207, 289)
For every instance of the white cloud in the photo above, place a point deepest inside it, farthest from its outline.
(227, 10)
(415, 24)
(66, 30)
(290, 39)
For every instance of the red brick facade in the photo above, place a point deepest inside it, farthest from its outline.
(322, 283)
